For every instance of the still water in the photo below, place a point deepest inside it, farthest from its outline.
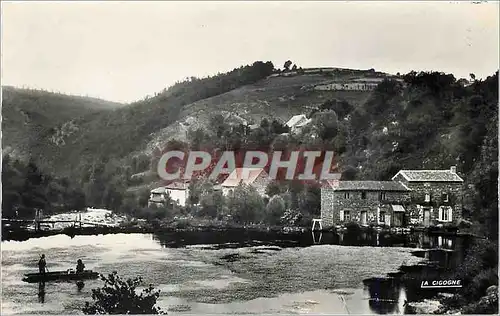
(215, 277)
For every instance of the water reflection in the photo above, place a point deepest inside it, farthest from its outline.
(385, 295)
(247, 238)
(41, 292)
(80, 285)
(317, 237)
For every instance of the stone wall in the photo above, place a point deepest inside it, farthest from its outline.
(327, 196)
(335, 202)
(436, 191)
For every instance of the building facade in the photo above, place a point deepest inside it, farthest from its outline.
(176, 191)
(255, 177)
(413, 197)
(297, 122)
(364, 202)
(436, 196)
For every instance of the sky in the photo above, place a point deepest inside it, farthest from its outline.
(123, 51)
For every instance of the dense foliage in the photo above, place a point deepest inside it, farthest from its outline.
(118, 296)
(26, 188)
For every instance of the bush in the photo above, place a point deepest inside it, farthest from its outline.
(275, 209)
(353, 228)
(120, 297)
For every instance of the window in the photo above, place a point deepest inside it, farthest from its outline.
(445, 214)
(347, 216)
(381, 217)
(427, 197)
(381, 196)
(445, 197)
(346, 195)
(363, 195)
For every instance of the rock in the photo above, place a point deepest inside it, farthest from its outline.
(425, 307)
(492, 290)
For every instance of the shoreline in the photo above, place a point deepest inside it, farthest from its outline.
(24, 234)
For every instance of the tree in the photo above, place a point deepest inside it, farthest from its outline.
(326, 123)
(120, 297)
(349, 173)
(245, 204)
(287, 65)
(275, 209)
(212, 204)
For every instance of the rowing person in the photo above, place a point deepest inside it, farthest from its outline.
(42, 264)
(79, 266)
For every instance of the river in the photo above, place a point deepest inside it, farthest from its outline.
(218, 277)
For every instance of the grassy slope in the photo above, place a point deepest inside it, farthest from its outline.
(29, 116)
(93, 135)
(272, 98)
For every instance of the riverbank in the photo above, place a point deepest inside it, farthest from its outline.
(22, 235)
(201, 225)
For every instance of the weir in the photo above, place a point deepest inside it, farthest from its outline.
(38, 221)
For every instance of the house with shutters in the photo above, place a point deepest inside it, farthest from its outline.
(436, 195)
(380, 203)
(176, 191)
(416, 197)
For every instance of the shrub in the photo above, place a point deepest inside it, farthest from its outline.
(353, 228)
(275, 209)
(120, 297)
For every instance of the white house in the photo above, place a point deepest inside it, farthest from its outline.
(177, 191)
(297, 122)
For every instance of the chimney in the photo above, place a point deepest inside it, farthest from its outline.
(453, 169)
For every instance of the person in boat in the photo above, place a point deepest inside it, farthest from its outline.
(42, 264)
(79, 266)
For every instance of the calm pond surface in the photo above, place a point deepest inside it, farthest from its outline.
(212, 273)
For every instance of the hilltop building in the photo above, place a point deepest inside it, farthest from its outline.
(297, 122)
(360, 84)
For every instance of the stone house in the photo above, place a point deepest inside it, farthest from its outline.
(436, 195)
(255, 177)
(364, 202)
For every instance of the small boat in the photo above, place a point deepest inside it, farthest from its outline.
(60, 275)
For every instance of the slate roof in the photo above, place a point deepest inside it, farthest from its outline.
(295, 119)
(303, 123)
(429, 176)
(159, 190)
(239, 176)
(368, 186)
(177, 185)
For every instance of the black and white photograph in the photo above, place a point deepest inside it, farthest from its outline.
(249, 157)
